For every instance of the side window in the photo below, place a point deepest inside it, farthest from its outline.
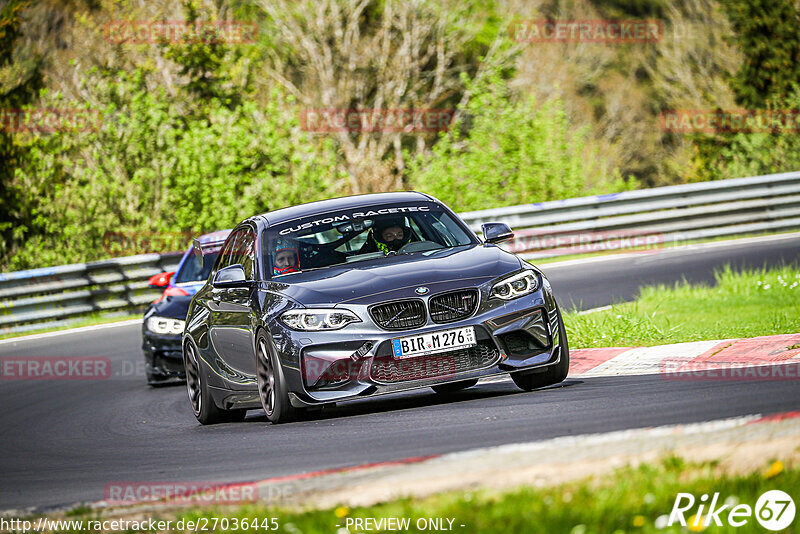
(245, 253)
(415, 228)
(228, 253)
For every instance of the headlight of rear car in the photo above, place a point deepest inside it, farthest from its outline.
(165, 325)
(319, 319)
(515, 286)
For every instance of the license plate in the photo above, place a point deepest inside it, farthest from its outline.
(433, 342)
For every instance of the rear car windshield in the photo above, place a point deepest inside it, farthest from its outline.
(362, 234)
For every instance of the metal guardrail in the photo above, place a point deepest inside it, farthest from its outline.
(40, 298)
(649, 218)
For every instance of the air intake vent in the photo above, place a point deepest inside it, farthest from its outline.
(449, 307)
(399, 315)
(446, 364)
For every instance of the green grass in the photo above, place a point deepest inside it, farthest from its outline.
(90, 320)
(747, 304)
(628, 500)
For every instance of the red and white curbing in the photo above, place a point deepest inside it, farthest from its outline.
(767, 358)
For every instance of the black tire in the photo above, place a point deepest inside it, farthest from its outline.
(529, 380)
(203, 406)
(271, 385)
(452, 387)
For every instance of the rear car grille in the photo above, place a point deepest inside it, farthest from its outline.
(389, 370)
(454, 306)
(399, 315)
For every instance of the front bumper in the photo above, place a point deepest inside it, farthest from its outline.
(357, 361)
(163, 355)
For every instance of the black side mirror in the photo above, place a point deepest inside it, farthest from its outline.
(496, 232)
(230, 276)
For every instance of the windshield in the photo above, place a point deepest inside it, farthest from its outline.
(191, 271)
(350, 236)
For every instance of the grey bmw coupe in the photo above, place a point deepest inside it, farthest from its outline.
(361, 296)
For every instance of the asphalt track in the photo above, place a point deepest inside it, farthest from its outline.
(64, 441)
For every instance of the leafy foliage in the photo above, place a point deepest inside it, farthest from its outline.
(772, 147)
(508, 151)
(196, 136)
(20, 81)
(150, 169)
(766, 31)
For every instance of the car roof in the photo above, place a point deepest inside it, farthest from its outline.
(352, 202)
(213, 237)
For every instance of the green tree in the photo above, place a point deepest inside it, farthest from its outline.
(150, 169)
(20, 82)
(204, 62)
(772, 146)
(507, 151)
(768, 78)
(767, 33)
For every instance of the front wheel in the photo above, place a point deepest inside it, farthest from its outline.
(203, 406)
(529, 380)
(271, 385)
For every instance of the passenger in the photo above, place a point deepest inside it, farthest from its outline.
(287, 259)
(387, 235)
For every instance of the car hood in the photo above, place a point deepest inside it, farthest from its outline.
(174, 307)
(377, 280)
(191, 287)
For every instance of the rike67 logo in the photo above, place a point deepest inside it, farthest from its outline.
(774, 510)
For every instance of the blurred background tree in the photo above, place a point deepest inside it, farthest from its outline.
(20, 82)
(197, 135)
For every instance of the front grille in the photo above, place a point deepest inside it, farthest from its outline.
(389, 370)
(454, 306)
(399, 315)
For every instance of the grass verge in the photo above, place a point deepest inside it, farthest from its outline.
(747, 304)
(627, 500)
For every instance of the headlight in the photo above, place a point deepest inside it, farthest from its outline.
(319, 319)
(515, 286)
(165, 325)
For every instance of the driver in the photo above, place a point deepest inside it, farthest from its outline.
(387, 235)
(287, 259)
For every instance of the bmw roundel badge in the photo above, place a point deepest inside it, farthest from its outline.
(422, 290)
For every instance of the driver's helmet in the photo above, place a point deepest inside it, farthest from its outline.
(390, 233)
(286, 259)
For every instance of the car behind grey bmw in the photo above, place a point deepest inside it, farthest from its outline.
(361, 296)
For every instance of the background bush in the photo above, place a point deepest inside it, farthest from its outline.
(195, 137)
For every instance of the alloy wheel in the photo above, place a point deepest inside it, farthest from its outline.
(193, 379)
